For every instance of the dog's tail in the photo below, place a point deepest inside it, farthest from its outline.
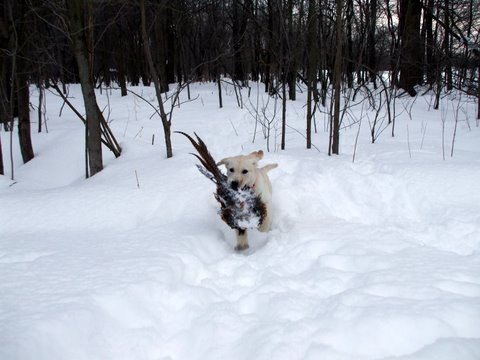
(268, 167)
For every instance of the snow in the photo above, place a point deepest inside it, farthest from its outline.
(372, 259)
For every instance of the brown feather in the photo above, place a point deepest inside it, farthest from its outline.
(204, 156)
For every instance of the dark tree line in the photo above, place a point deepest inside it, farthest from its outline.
(324, 44)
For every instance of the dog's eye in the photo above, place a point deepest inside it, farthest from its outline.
(244, 171)
(232, 169)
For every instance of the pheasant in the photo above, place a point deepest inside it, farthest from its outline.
(240, 209)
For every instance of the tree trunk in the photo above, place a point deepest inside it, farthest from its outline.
(41, 91)
(284, 112)
(411, 60)
(161, 34)
(349, 52)
(292, 55)
(478, 86)
(172, 56)
(121, 76)
(119, 60)
(237, 41)
(448, 55)
(337, 76)
(3, 118)
(21, 86)
(2, 172)
(4, 89)
(156, 82)
(372, 24)
(312, 65)
(23, 98)
(76, 12)
(429, 43)
(269, 57)
(219, 86)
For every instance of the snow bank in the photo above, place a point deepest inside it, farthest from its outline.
(377, 259)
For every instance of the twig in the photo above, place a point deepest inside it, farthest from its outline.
(136, 176)
(303, 136)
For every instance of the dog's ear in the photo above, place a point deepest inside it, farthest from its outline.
(223, 162)
(257, 155)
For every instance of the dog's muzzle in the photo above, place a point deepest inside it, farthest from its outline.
(234, 185)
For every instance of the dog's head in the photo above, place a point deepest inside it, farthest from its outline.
(241, 170)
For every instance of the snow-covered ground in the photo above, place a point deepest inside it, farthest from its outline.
(373, 259)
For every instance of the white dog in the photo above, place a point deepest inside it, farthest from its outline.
(243, 171)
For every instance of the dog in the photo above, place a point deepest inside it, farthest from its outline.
(243, 170)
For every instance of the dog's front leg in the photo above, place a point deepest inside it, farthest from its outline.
(242, 240)
(267, 221)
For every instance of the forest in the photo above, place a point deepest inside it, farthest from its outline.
(113, 245)
(402, 48)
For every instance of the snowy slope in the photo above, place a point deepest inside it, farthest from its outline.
(373, 259)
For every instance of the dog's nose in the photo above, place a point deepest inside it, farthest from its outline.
(234, 185)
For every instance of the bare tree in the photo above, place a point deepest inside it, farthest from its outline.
(273, 41)
(2, 172)
(22, 83)
(4, 103)
(76, 11)
(156, 81)
(161, 27)
(14, 84)
(429, 42)
(447, 46)
(337, 76)
(411, 63)
(312, 60)
(371, 28)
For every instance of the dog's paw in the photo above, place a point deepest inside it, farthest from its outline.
(264, 228)
(241, 247)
